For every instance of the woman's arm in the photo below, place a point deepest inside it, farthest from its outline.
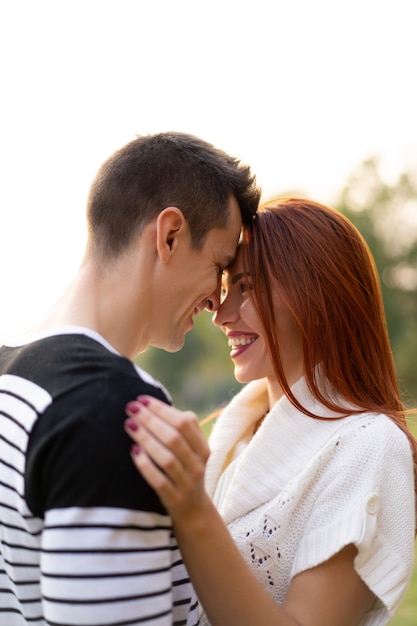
(171, 455)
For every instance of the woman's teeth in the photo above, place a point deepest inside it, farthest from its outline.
(235, 342)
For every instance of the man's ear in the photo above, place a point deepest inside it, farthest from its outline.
(170, 227)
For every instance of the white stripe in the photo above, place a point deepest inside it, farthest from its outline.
(111, 613)
(10, 454)
(105, 516)
(39, 398)
(113, 563)
(28, 591)
(11, 476)
(19, 410)
(120, 538)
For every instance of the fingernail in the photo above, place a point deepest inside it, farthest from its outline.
(131, 425)
(133, 408)
(135, 449)
(143, 400)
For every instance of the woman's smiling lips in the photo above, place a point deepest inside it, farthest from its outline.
(239, 342)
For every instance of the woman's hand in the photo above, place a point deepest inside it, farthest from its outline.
(170, 452)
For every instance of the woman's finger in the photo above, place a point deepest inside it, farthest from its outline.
(179, 488)
(169, 452)
(156, 478)
(163, 443)
(178, 430)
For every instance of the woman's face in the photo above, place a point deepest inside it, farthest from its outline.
(239, 320)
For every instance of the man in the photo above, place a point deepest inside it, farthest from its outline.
(84, 540)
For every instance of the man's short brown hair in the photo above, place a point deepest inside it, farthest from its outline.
(153, 172)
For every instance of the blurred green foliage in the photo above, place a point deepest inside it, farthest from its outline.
(386, 215)
(200, 376)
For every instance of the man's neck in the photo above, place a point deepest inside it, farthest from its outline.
(98, 300)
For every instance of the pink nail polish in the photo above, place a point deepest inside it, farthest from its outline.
(143, 400)
(135, 449)
(131, 425)
(133, 408)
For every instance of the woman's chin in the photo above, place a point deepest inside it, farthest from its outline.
(244, 377)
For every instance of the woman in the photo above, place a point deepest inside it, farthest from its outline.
(312, 516)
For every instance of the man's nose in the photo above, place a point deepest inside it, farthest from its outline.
(213, 301)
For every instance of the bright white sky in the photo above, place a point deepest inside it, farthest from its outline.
(303, 90)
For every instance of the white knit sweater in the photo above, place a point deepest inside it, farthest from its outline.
(301, 489)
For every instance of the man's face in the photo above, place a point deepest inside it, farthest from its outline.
(194, 279)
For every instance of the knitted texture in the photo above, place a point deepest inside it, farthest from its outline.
(300, 489)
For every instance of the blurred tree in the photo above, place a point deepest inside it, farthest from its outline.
(200, 376)
(386, 215)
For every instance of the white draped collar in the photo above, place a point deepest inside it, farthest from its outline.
(276, 453)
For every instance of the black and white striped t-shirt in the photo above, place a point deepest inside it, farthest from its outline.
(83, 539)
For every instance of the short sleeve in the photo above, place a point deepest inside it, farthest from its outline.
(363, 494)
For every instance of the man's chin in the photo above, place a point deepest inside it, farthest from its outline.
(173, 345)
(175, 348)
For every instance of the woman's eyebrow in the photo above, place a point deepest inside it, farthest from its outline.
(237, 277)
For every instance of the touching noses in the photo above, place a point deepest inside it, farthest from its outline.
(213, 301)
(225, 314)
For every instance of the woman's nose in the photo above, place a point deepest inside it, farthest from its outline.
(225, 314)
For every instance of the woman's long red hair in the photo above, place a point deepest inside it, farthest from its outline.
(319, 264)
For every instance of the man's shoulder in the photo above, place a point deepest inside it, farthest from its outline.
(78, 451)
(64, 363)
